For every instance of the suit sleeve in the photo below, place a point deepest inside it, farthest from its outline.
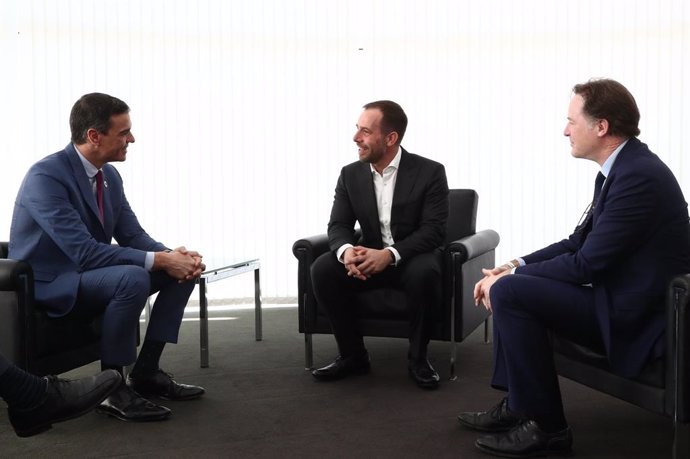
(47, 200)
(341, 226)
(629, 217)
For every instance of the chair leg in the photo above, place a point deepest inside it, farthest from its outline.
(681, 440)
(453, 357)
(308, 352)
(487, 330)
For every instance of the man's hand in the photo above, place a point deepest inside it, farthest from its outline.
(182, 264)
(483, 287)
(363, 262)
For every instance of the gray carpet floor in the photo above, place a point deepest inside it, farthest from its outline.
(261, 403)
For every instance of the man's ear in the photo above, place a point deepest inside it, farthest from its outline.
(391, 139)
(93, 136)
(602, 127)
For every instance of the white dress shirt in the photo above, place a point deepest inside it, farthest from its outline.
(384, 187)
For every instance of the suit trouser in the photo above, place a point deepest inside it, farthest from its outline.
(525, 308)
(4, 364)
(419, 278)
(120, 292)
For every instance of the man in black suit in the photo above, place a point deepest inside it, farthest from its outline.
(603, 287)
(401, 203)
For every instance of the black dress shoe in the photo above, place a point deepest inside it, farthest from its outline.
(527, 440)
(423, 374)
(127, 405)
(497, 419)
(160, 384)
(342, 367)
(63, 400)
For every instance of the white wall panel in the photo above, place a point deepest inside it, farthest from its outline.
(244, 111)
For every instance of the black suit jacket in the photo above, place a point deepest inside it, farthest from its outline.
(418, 214)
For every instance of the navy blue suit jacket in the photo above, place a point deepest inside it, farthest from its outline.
(55, 227)
(636, 242)
(418, 212)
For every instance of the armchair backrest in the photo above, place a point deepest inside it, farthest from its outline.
(462, 215)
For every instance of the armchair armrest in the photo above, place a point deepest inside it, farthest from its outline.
(16, 306)
(307, 250)
(14, 274)
(312, 246)
(678, 339)
(474, 245)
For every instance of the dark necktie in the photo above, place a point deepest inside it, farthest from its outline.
(99, 193)
(598, 183)
(586, 219)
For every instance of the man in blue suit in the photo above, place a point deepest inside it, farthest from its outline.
(603, 287)
(69, 208)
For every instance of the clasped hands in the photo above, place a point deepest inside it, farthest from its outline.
(482, 288)
(363, 262)
(182, 264)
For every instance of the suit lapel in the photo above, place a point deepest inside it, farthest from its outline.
(404, 182)
(82, 180)
(619, 163)
(367, 197)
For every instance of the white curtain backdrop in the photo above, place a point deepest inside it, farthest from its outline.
(243, 111)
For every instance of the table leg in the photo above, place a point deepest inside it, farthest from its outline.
(203, 322)
(257, 306)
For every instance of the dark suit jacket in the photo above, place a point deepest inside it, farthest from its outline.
(637, 242)
(418, 214)
(55, 227)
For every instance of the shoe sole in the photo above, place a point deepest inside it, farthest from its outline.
(540, 453)
(170, 399)
(428, 386)
(326, 378)
(118, 415)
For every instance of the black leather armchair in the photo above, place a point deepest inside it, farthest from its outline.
(32, 340)
(663, 387)
(383, 311)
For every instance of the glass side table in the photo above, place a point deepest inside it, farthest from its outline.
(215, 275)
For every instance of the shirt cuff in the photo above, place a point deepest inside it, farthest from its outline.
(341, 250)
(395, 254)
(521, 262)
(148, 263)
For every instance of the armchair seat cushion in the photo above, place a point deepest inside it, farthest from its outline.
(63, 334)
(382, 303)
(652, 375)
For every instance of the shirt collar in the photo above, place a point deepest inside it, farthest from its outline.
(90, 169)
(395, 163)
(606, 167)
